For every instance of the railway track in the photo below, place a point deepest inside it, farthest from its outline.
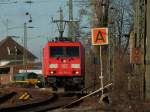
(28, 106)
(6, 97)
(53, 102)
(47, 103)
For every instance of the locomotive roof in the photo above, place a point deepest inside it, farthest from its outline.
(64, 43)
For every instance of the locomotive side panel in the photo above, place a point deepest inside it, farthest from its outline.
(45, 61)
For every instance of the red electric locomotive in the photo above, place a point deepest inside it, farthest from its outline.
(63, 64)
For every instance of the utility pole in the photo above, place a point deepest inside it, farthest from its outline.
(25, 55)
(61, 23)
(70, 24)
(61, 30)
(70, 10)
(7, 26)
(73, 25)
(25, 47)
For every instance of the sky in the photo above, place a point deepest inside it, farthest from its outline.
(13, 16)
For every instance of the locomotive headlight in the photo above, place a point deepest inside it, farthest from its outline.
(77, 72)
(52, 72)
(53, 65)
(75, 65)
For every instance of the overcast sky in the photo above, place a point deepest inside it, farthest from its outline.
(13, 16)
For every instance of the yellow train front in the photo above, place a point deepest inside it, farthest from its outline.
(63, 65)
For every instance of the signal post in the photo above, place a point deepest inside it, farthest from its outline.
(100, 37)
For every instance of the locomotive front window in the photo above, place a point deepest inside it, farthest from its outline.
(72, 51)
(56, 51)
(64, 51)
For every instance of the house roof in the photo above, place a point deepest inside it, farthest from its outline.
(10, 49)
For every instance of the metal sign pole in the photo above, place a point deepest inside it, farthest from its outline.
(101, 65)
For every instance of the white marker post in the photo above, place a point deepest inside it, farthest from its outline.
(101, 66)
(100, 37)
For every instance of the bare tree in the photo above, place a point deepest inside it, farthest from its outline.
(122, 12)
